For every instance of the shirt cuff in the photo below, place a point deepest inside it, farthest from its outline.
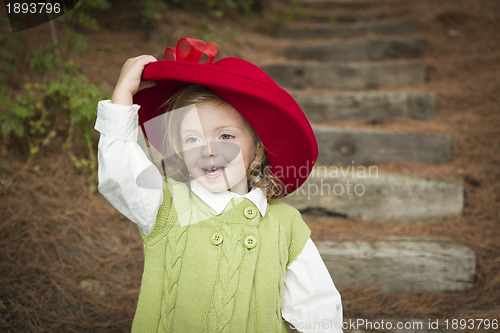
(311, 302)
(119, 122)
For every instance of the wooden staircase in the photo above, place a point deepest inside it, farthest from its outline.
(355, 73)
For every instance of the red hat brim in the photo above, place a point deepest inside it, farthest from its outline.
(274, 115)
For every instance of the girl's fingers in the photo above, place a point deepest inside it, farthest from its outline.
(132, 69)
(129, 81)
(150, 58)
(142, 60)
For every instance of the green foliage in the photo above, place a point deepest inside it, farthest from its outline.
(66, 103)
(218, 33)
(57, 101)
(2, 306)
(151, 9)
(9, 59)
(78, 44)
(216, 7)
(80, 15)
(278, 20)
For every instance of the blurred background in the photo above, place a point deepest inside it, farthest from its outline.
(404, 204)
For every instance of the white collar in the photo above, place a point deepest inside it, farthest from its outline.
(219, 201)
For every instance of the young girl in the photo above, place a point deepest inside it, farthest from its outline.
(222, 254)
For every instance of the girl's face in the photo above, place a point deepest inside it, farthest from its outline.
(217, 145)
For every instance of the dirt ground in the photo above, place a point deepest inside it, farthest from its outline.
(70, 263)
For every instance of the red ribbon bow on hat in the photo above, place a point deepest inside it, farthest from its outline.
(189, 49)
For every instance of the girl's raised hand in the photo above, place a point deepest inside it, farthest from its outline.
(130, 79)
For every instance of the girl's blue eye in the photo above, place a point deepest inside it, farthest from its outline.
(192, 139)
(226, 136)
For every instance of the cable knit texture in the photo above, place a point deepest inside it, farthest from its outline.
(216, 273)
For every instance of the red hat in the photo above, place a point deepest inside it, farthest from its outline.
(274, 115)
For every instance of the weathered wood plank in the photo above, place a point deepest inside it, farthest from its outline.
(340, 145)
(369, 107)
(367, 194)
(401, 264)
(322, 17)
(353, 76)
(357, 50)
(325, 4)
(350, 30)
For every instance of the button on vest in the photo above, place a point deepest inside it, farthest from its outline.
(250, 242)
(250, 212)
(216, 238)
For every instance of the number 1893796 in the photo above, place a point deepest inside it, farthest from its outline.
(33, 8)
(472, 324)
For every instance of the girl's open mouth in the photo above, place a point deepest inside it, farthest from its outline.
(213, 172)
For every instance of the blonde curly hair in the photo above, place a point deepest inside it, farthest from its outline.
(259, 174)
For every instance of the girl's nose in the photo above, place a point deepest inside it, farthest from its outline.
(209, 150)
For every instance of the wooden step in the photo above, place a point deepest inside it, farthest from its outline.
(400, 264)
(342, 4)
(367, 146)
(357, 50)
(352, 76)
(365, 193)
(369, 107)
(350, 30)
(322, 17)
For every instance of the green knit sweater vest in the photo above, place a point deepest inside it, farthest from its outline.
(216, 273)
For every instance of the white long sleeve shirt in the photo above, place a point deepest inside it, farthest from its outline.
(310, 303)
